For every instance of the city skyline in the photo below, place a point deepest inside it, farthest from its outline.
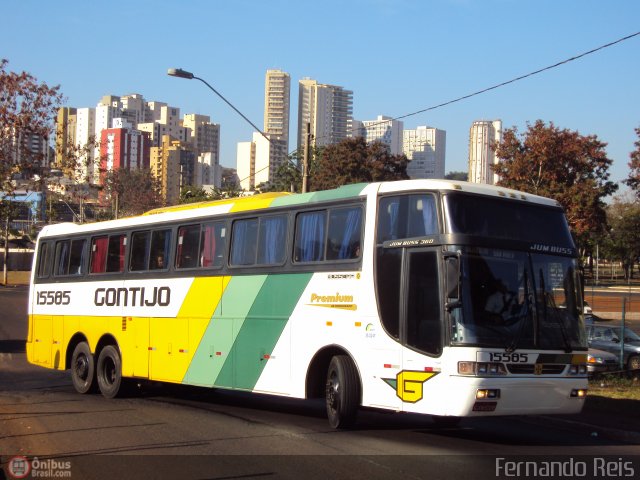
(594, 95)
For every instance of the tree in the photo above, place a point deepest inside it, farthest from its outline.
(353, 161)
(622, 242)
(633, 180)
(133, 191)
(27, 109)
(193, 194)
(288, 175)
(561, 164)
(460, 176)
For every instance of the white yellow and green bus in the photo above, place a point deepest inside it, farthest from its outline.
(443, 298)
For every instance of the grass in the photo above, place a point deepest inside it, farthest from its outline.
(616, 387)
(614, 401)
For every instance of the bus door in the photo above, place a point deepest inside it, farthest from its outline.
(420, 327)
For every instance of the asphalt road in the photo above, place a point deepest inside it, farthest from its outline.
(162, 431)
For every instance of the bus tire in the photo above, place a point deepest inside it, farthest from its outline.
(342, 393)
(109, 371)
(83, 371)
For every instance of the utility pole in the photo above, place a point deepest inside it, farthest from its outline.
(305, 158)
(5, 273)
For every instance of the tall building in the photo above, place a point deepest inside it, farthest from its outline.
(258, 160)
(161, 120)
(208, 171)
(65, 132)
(425, 147)
(173, 164)
(85, 135)
(277, 93)
(203, 135)
(329, 111)
(482, 135)
(385, 130)
(134, 108)
(124, 147)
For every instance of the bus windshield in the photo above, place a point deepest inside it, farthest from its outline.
(518, 300)
(500, 218)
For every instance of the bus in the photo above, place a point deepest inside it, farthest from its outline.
(437, 297)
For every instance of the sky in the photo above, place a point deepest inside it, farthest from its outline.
(397, 56)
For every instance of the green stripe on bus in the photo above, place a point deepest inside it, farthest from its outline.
(345, 191)
(216, 344)
(261, 329)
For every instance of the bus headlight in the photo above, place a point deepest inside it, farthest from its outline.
(481, 368)
(580, 369)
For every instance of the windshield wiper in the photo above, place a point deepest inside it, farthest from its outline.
(547, 297)
(523, 317)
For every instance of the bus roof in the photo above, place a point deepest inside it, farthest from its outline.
(283, 199)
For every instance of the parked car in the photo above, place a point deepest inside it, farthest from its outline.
(599, 361)
(587, 308)
(590, 318)
(607, 338)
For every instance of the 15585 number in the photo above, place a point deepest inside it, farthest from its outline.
(509, 357)
(53, 297)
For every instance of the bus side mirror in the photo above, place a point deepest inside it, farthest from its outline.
(452, 274)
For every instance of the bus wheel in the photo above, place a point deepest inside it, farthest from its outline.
(83, 369)
(109, 371)
(342, 392)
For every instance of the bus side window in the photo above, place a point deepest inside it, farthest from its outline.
(139, 256)
(43, 261)
(188, 246)
(272, 240)
(160, 247)
(310, 236)
(345, 229)
(244, 239)
(98, 259)
(407, 216)
(212, 244)
(69, 257)
(115, 253)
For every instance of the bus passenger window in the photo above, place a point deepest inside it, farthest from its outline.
(212, 244)
(69, 257)
(407, 216)
(244, 238)
(107, 254)
(310, 236)
(98, 258)
(43, 261)
(272, 239)
(115, 254)
(160, 247)
(345, 230)
(139, 251)
(188, 246)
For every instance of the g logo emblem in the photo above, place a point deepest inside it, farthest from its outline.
(409, 384)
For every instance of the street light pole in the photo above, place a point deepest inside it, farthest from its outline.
(180, 73)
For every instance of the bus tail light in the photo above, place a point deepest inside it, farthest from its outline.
(579, 393)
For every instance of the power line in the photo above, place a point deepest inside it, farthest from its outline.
(494, 87)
